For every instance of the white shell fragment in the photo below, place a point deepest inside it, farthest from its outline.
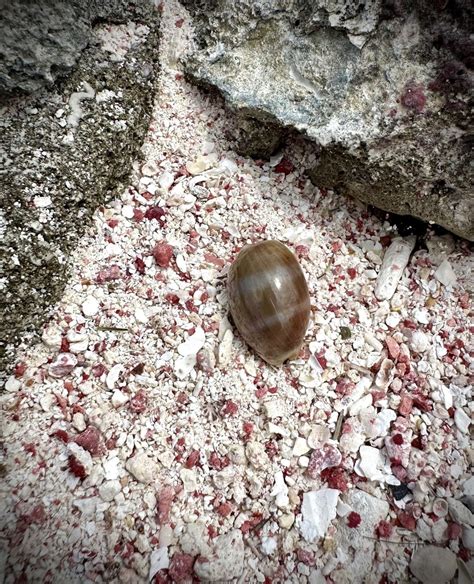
(62, 365)
(75, 104)
(318, 510)
(90, 306)
(371, 464)
(394, 262)
(12, 384)
(165, 180)
(184, 365)
(462, 420)
(52, 337)
(159, 560)
(225, 348)
(201, 163)
(445, 274)
(113, 376)
(418, 342)
(193, 344)
(280, 490)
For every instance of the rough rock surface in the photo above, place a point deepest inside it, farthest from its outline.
(226, 561)
(358, 543)
(433, 565)
(383, 87)
(34, 56)
(63, 152)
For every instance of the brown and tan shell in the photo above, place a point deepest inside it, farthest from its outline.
(269, 300)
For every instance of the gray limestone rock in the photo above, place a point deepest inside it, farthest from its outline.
(42, 41)
(382, 86)
(433, 565)
(63, 152)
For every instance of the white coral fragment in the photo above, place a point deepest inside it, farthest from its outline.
(394, 262)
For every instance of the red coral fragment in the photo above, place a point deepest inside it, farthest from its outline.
(336, 478)
(393, 347)
(406, 405)
(464, 554)
(271, 448)
(218, 463)
(407, 520)
(247, 427)
(285, 166)
(213, 259)
(165, 499)
(172, 299)
(302, 251)
(139, 265)
(327, 456)
(230, 408)
(138, 403)
(397, 439)
(224, 509)
(37, 514)
(352, 273)
(384, 529)
(163, 252)
(30, 447)
(421, 402)
(162, 577)
(454, 530)
(353, 519)
(92, 441)
(181, 568)
(261, 391)
(64, 348)
(20, 369)
(452, 78)
(157, 213)
(76, 467)
(344, 386)
(109, 274)
(192, 459)
(251, 523)
(138, 369)
(61, 435)
(138, 215)
(306, 557)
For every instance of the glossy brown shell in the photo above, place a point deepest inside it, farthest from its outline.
(269, 300)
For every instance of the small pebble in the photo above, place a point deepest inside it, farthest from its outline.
(90, 306)
(142, 468)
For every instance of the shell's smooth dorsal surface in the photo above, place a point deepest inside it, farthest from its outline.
(269, 300)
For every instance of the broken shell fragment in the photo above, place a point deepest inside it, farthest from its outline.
(269, 300)
(394, 263)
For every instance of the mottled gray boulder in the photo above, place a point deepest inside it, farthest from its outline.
(41, 41)
(63, 152)
(382, 86)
